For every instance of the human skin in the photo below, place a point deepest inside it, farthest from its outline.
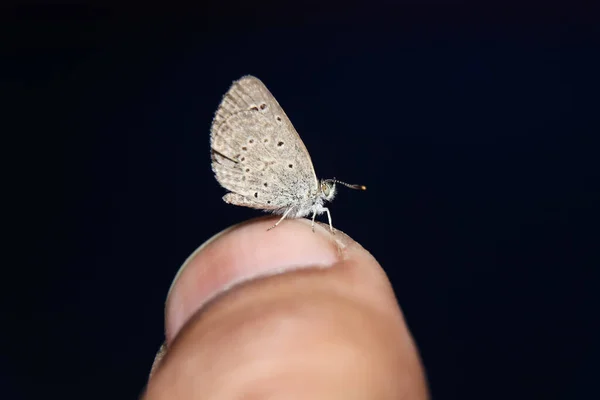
(284, 314)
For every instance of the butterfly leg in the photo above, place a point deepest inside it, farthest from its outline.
(329, 218)
(281, 219)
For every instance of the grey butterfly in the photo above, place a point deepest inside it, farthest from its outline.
(258, 156)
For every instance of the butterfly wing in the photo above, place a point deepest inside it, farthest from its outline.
(256, 153)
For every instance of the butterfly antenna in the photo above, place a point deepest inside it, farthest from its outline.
(356, 187)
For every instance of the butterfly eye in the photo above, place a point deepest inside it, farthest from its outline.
(325, 189)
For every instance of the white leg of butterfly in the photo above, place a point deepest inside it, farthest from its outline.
(281, 219)
(329, 218)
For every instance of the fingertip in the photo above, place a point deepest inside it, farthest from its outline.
(333, 303)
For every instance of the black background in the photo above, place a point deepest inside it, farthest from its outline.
(475, 129)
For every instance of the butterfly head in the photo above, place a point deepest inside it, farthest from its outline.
(328, 187)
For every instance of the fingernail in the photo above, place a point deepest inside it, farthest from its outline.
(244, 252)
(198, 250)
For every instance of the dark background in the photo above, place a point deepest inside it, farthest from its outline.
(475, 130)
